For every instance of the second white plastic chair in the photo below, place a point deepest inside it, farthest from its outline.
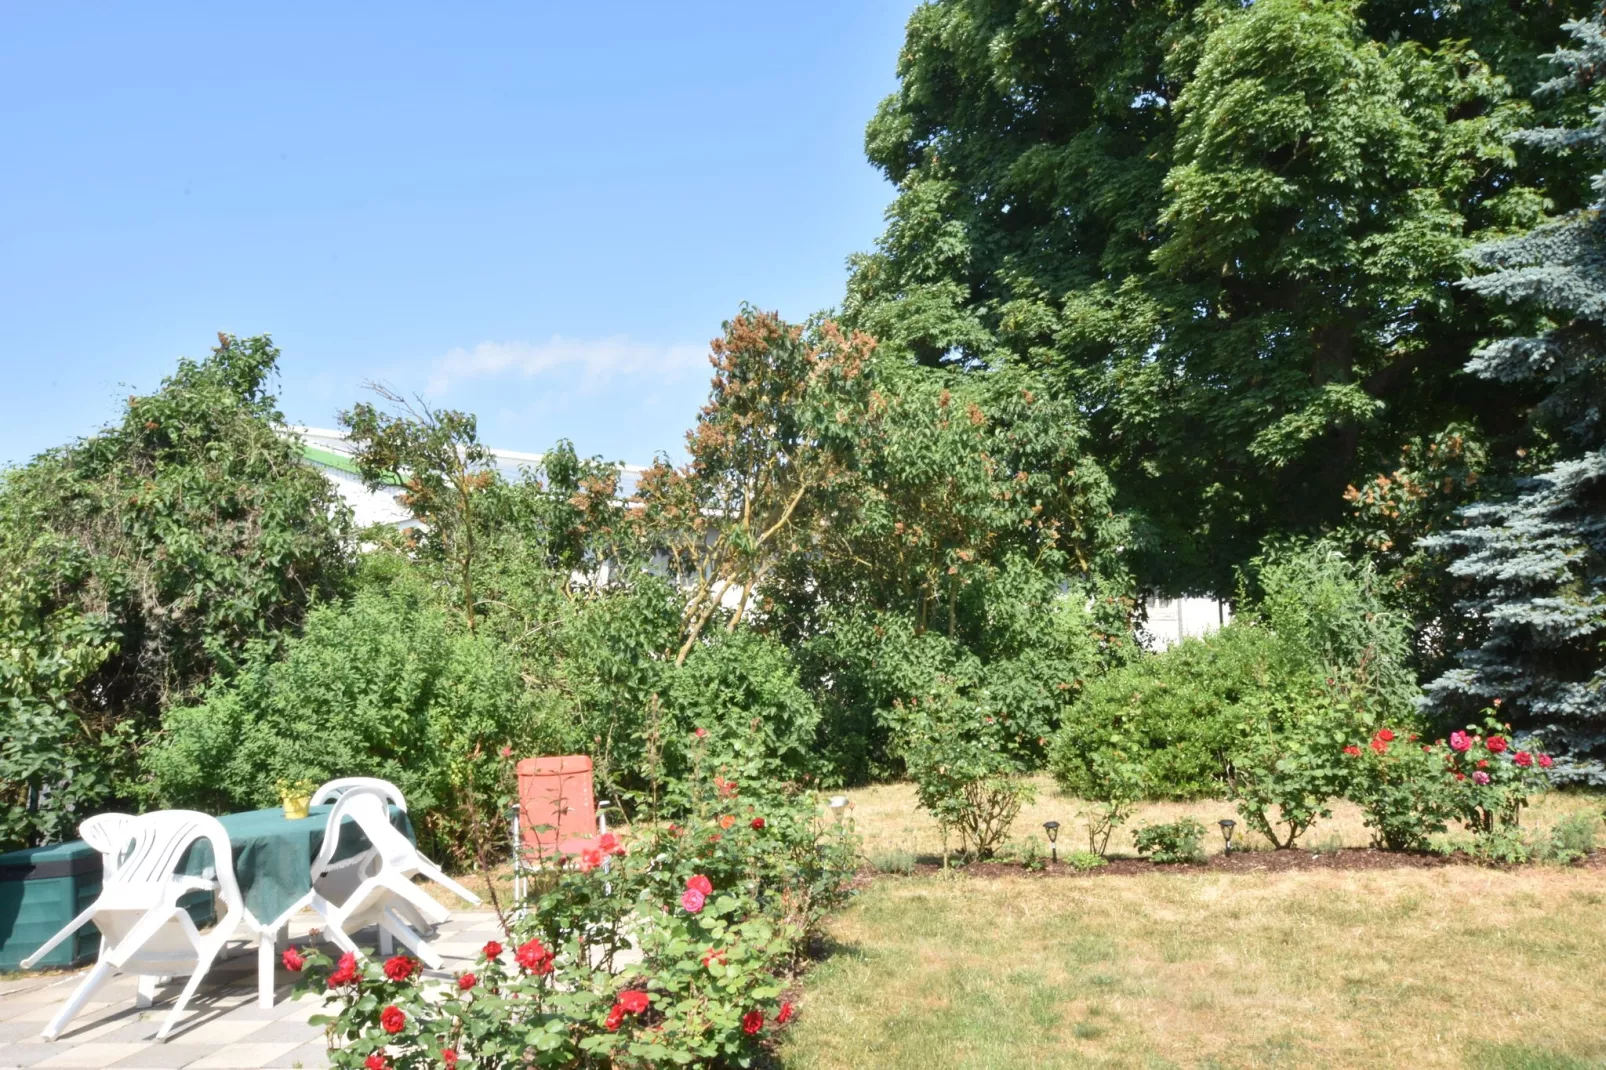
(377, 887)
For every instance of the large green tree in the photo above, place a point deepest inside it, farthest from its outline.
(141, 562)
(1230, 232)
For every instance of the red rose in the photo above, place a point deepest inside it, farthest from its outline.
(292, 960)
(1496, 744)
(727, 820)
(616, 1015)
(701, 733)
(345, 971)
(590, 859)
(1460, 776)
(752, 1022)
(1483, 763)
(376, 1061)
(1386, 735)
(692, 900)
(1353, 751)
(392, 1020)
(506, 752)
(609, 843)
(1379, 745)
(634, 1001)
(700, 884)
(535, 957)
(785, 1015)
(1546, 761)
(758, 823)
(449, 1056)
(466, 982)
(1523, 758)
(492, 950)
(400, 967)
(713, 955)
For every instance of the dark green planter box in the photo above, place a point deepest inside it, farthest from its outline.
(43, 888)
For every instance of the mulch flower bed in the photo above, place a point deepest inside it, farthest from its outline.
(1350, 858)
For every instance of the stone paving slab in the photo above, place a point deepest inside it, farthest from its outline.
(222, 1029)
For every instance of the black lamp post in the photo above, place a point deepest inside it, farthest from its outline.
(1227, 824)
(1053, 830)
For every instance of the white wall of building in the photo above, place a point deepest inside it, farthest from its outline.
(1171, 620)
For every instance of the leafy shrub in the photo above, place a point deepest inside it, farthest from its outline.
(1409, 788)
(1179, 712)
(141, 562)
(388, 685)
(964, 776)
(1572, 839)
(899, 861)
(1116, 784)
(741, 689)
(1504, 845)
(1404, 787)
(1082, 861)
(1289, 766)
(719, 911)
(1176, 841)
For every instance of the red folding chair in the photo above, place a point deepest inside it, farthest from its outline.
(557, 813)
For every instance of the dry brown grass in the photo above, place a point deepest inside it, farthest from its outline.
(1426, 968)
(888, 820)
(1454, 966)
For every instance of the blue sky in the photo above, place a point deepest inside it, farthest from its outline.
(537, 212)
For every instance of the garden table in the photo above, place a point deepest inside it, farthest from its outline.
(273, 865)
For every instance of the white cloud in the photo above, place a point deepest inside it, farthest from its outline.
(586, 365)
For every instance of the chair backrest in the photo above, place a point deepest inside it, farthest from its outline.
(334, 789)
(367, 807)
(108, 834)
(556, 801)
(157, 842)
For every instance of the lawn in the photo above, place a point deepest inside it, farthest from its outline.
(1454, 966)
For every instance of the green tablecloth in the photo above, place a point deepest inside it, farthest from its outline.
(273, 855)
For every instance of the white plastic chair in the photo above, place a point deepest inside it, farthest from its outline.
(108, 834)
(144, 927)
(376, 887)
(334, 789)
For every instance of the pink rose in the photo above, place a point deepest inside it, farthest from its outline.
(1480, 777)
(1460, 741)
(1546, 761)
(692, 900)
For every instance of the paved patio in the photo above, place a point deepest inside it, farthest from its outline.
(222, 1029)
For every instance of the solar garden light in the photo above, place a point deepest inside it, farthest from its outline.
(1227, 825)
(1053, 830)
(839, 806)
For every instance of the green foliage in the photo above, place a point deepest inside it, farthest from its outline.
(1572, 839)
(1226, 230)
(738, 697)
(1172, 842)
(1180, 713)
(139, 563)
(388, 685)
(1289, 764)
(1405, 788)
(964, 776)
(1082, 861)
(436, 454)
(896, 861)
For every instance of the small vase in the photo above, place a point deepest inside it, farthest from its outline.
(295, 806)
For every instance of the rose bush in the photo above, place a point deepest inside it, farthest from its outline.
(1410, 788)
(716, 910)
